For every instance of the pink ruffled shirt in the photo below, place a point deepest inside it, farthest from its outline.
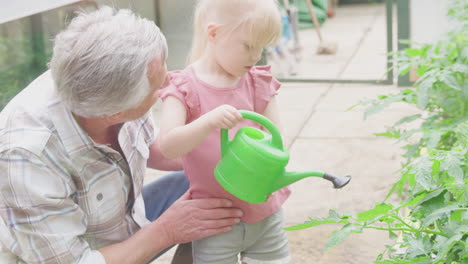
(253, 92)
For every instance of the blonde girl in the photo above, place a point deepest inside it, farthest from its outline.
(203, 98)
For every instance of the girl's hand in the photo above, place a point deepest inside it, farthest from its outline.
(224, 116)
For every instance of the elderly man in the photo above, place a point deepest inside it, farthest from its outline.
(74, 146)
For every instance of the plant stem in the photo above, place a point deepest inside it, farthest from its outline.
(388, 229)
(403, 222)
(407, 230)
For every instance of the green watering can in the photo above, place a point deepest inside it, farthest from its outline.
(253, 164)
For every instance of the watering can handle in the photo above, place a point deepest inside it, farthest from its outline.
(276, 139)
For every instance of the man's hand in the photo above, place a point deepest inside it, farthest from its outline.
(224, 116)
(187, 220)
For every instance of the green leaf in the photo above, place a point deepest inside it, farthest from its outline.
(392, 235)
(452, 162)
(336, 237)
(436, 167)
(408, 134)
(373, 109)
(333, 215)
(422, 70)
(422, 97)
(432, 194)
(433, 138)
(445, 247)
(339, 235)
(417, 247)
(407, 91)
(422, 171)
(437, 214)
(430, 203)
(379, 105)
(407, 119)
(299, 227)
(451, 228)
(459, 67)
(450, 81)
(404, 69)
(413, 52)
(413, 200)
(316, 222)
(390, 133)
(428, 79)
(465, 89)
(462, 131)
(456, 216)
(386, 262)
(378, 210)
(457, 173)
(398, 186)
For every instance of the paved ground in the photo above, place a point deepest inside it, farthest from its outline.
(360, 33)
(321, 134)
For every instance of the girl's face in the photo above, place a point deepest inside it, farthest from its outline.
(235, 52)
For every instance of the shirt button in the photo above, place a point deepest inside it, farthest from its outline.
(99, 196)
(133, 211)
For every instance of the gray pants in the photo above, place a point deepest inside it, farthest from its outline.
(263, 242)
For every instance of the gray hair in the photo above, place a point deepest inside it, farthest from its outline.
(99, 63)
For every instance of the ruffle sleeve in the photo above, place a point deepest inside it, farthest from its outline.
(179, 85)
(266, 86)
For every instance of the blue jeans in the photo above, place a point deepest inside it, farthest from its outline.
(161, 194)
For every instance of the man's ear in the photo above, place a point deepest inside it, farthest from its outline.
(212, 31)
(114, 118)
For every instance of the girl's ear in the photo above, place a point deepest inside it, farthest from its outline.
(212, 31)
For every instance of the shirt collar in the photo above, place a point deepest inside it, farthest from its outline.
(76, 140)
(71, 134)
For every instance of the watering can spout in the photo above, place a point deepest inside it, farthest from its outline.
(293, 176)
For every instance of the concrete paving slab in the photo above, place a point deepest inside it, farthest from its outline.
(372, 163)
(370, 59)
(308, 246)
(349, 31)
(342, 96)
(301, 97)
(348, 124)
(296, 103)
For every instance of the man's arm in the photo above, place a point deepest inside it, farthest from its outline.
(42, 223)
(186, 220)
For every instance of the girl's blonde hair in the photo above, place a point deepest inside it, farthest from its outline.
(260, 18)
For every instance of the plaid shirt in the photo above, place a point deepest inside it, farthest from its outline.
(61, 195)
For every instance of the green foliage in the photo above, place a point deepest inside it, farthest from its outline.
(430, 222)
(19, 65)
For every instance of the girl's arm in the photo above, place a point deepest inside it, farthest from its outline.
(177, 138)
(272, 113)
(158, 161)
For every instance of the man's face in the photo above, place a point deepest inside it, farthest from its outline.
(157, 70)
